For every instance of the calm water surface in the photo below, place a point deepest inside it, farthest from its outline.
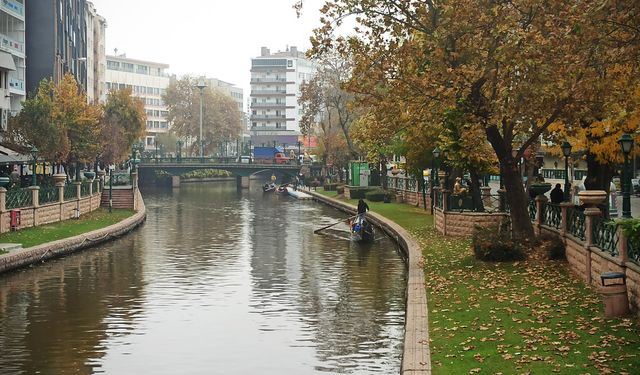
(215, 282)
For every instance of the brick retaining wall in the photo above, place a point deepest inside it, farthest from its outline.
(37, 254)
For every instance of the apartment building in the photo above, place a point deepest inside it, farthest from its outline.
(148, 81)
(96, 57)
(12, 59)
(56, 35)
(274, 113)
(236, 93)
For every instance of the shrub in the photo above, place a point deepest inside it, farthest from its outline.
(494, 243)
(552, 245)
(330, 187)
(357, 192)
(375, 195)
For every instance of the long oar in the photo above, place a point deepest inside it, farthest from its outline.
(336, 223)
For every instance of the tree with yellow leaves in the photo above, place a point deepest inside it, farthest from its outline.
(514, 68)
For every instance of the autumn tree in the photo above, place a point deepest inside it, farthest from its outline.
(123, 123)
(325, 101)
(516, 67)
(66, 126)
(34, 126)
(222, 121)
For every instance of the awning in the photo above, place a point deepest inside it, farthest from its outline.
(6, 61)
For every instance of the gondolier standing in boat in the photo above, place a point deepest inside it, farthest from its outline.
(363, 207)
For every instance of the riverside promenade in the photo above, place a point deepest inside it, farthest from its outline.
(36, 254)
(416, 358)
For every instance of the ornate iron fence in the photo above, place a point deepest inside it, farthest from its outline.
(552, 215)
(576, 223)
(48, 194)
(533, 209)
(605, 235)
(438, 200)
(17, 198)
(84, 189)
(70, 192)
(118, 179)
(633, 250)
(403, 183)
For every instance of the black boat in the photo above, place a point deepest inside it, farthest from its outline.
(268, 187)
(362, 232)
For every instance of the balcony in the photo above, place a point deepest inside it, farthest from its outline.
(267, 105)
(13, 7)
(268, 80)
(268, 117)
(268, 92)
(11, 45)
(16, 85)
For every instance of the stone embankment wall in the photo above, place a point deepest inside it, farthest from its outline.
(36, 254)
(416, 359)
(47, 213)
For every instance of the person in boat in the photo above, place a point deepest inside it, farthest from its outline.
(363, 207)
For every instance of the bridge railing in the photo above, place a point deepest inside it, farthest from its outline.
(210, 160)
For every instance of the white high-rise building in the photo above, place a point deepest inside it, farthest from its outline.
(235, 93)
(12, 59)
(148, 81)
(274, 113)
(96, 57)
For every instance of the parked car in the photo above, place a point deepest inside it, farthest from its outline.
(635, 186)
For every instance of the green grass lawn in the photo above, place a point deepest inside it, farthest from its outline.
(531, 317)
(97, 219)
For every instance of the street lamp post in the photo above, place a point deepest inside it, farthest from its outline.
(626, 143)
(566, 151)
(299, 160)
(434, 175)
(34, 154)
(179, 147)
(111, 187)
(201, 85)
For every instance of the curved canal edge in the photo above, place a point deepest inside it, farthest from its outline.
(416, 357)
(36, 254)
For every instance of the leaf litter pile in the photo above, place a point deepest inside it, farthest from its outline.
(529, 317)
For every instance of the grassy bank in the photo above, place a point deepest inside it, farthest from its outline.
(97, 219)
(531, 317)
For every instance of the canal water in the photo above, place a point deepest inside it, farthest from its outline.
(215, 282)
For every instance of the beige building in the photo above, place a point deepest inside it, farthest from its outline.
(96, 58)
(12, 59)
(148, 81)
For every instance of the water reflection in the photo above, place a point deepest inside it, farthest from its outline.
(215, 282)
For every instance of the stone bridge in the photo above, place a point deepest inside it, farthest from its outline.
(179, 166)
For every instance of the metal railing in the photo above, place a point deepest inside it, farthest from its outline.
(84, 189)
(438, 199)
(552, 216)
(605, 235)
(48, 194)
(633, 251)
(70, 192)
(118, 179)
(17, 198)
(576, 222)
(533, 209)
(402, 183)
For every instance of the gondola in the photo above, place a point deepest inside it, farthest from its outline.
(282, 189)
(266, 188)
(362, 232)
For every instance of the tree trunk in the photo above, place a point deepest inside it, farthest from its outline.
(475, 191)
(599, 176)
(517, 199)
(521, 226)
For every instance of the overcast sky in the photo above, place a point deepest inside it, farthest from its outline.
(216, 38)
